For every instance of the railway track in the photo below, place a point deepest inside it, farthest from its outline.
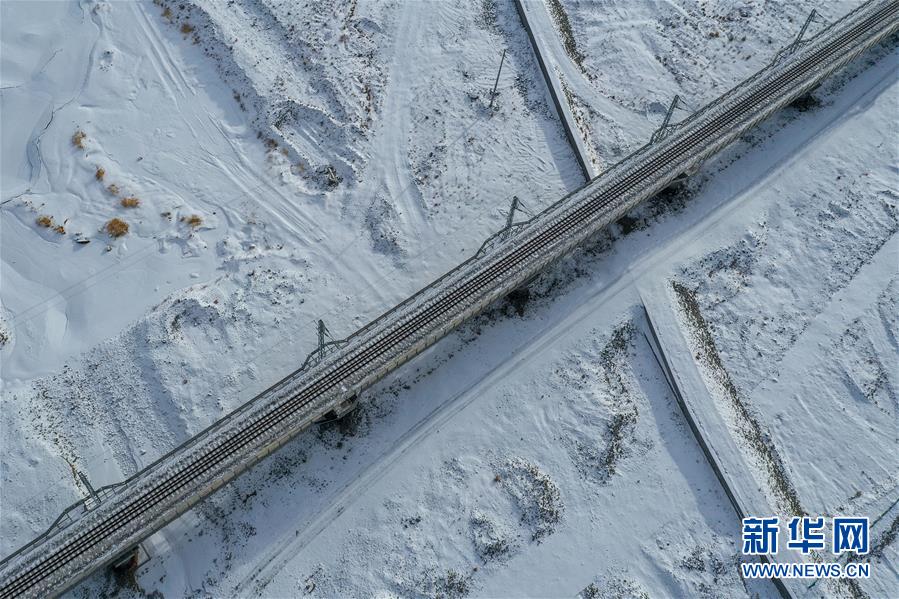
(133, 510)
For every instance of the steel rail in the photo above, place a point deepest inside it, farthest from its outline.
(359, 364)
(151, 496)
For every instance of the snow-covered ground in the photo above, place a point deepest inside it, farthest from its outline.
(623, 62)
(341, 155)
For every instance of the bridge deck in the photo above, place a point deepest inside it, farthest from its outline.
(84, 540)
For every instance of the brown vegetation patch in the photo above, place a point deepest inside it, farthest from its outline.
(101, 172)
(193, 220)
(113, 189)
(116, 227)
(44, 221)
(78, 139)
(130, 202)
(747, 425)
(564, 25)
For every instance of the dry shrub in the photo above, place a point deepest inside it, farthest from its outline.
(130, 202)
(113, 189)
(116, 227)
(78, 139)
(44, 221)
(193, 220)
(187, 28)
(167, 13)
(60, 229)
(101, 172)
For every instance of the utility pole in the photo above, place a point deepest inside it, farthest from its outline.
(496, 83)
(90, 488)
(517, 206)
(812, 17)
(511, 216)
(670, 112)
(325, 343)
(323, 333)
(663, 131)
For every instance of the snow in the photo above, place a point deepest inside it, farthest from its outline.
(625, 61)
(536, 451)
(498, 472)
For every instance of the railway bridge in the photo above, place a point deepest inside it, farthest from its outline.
(115, 519)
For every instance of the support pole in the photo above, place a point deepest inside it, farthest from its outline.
(326, 343)
(812, 16)
(496, 83)
(90, 488)
(511, 215)
(662, 132)
(517, 206)
(670, 111)
(323, 334)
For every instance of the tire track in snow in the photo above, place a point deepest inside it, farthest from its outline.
(391, 175)
(168, 69)
(163, 53)
(601, 291)
(552, 331)
(162, 66)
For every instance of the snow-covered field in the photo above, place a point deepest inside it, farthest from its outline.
(623, 62)
(295, 161)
